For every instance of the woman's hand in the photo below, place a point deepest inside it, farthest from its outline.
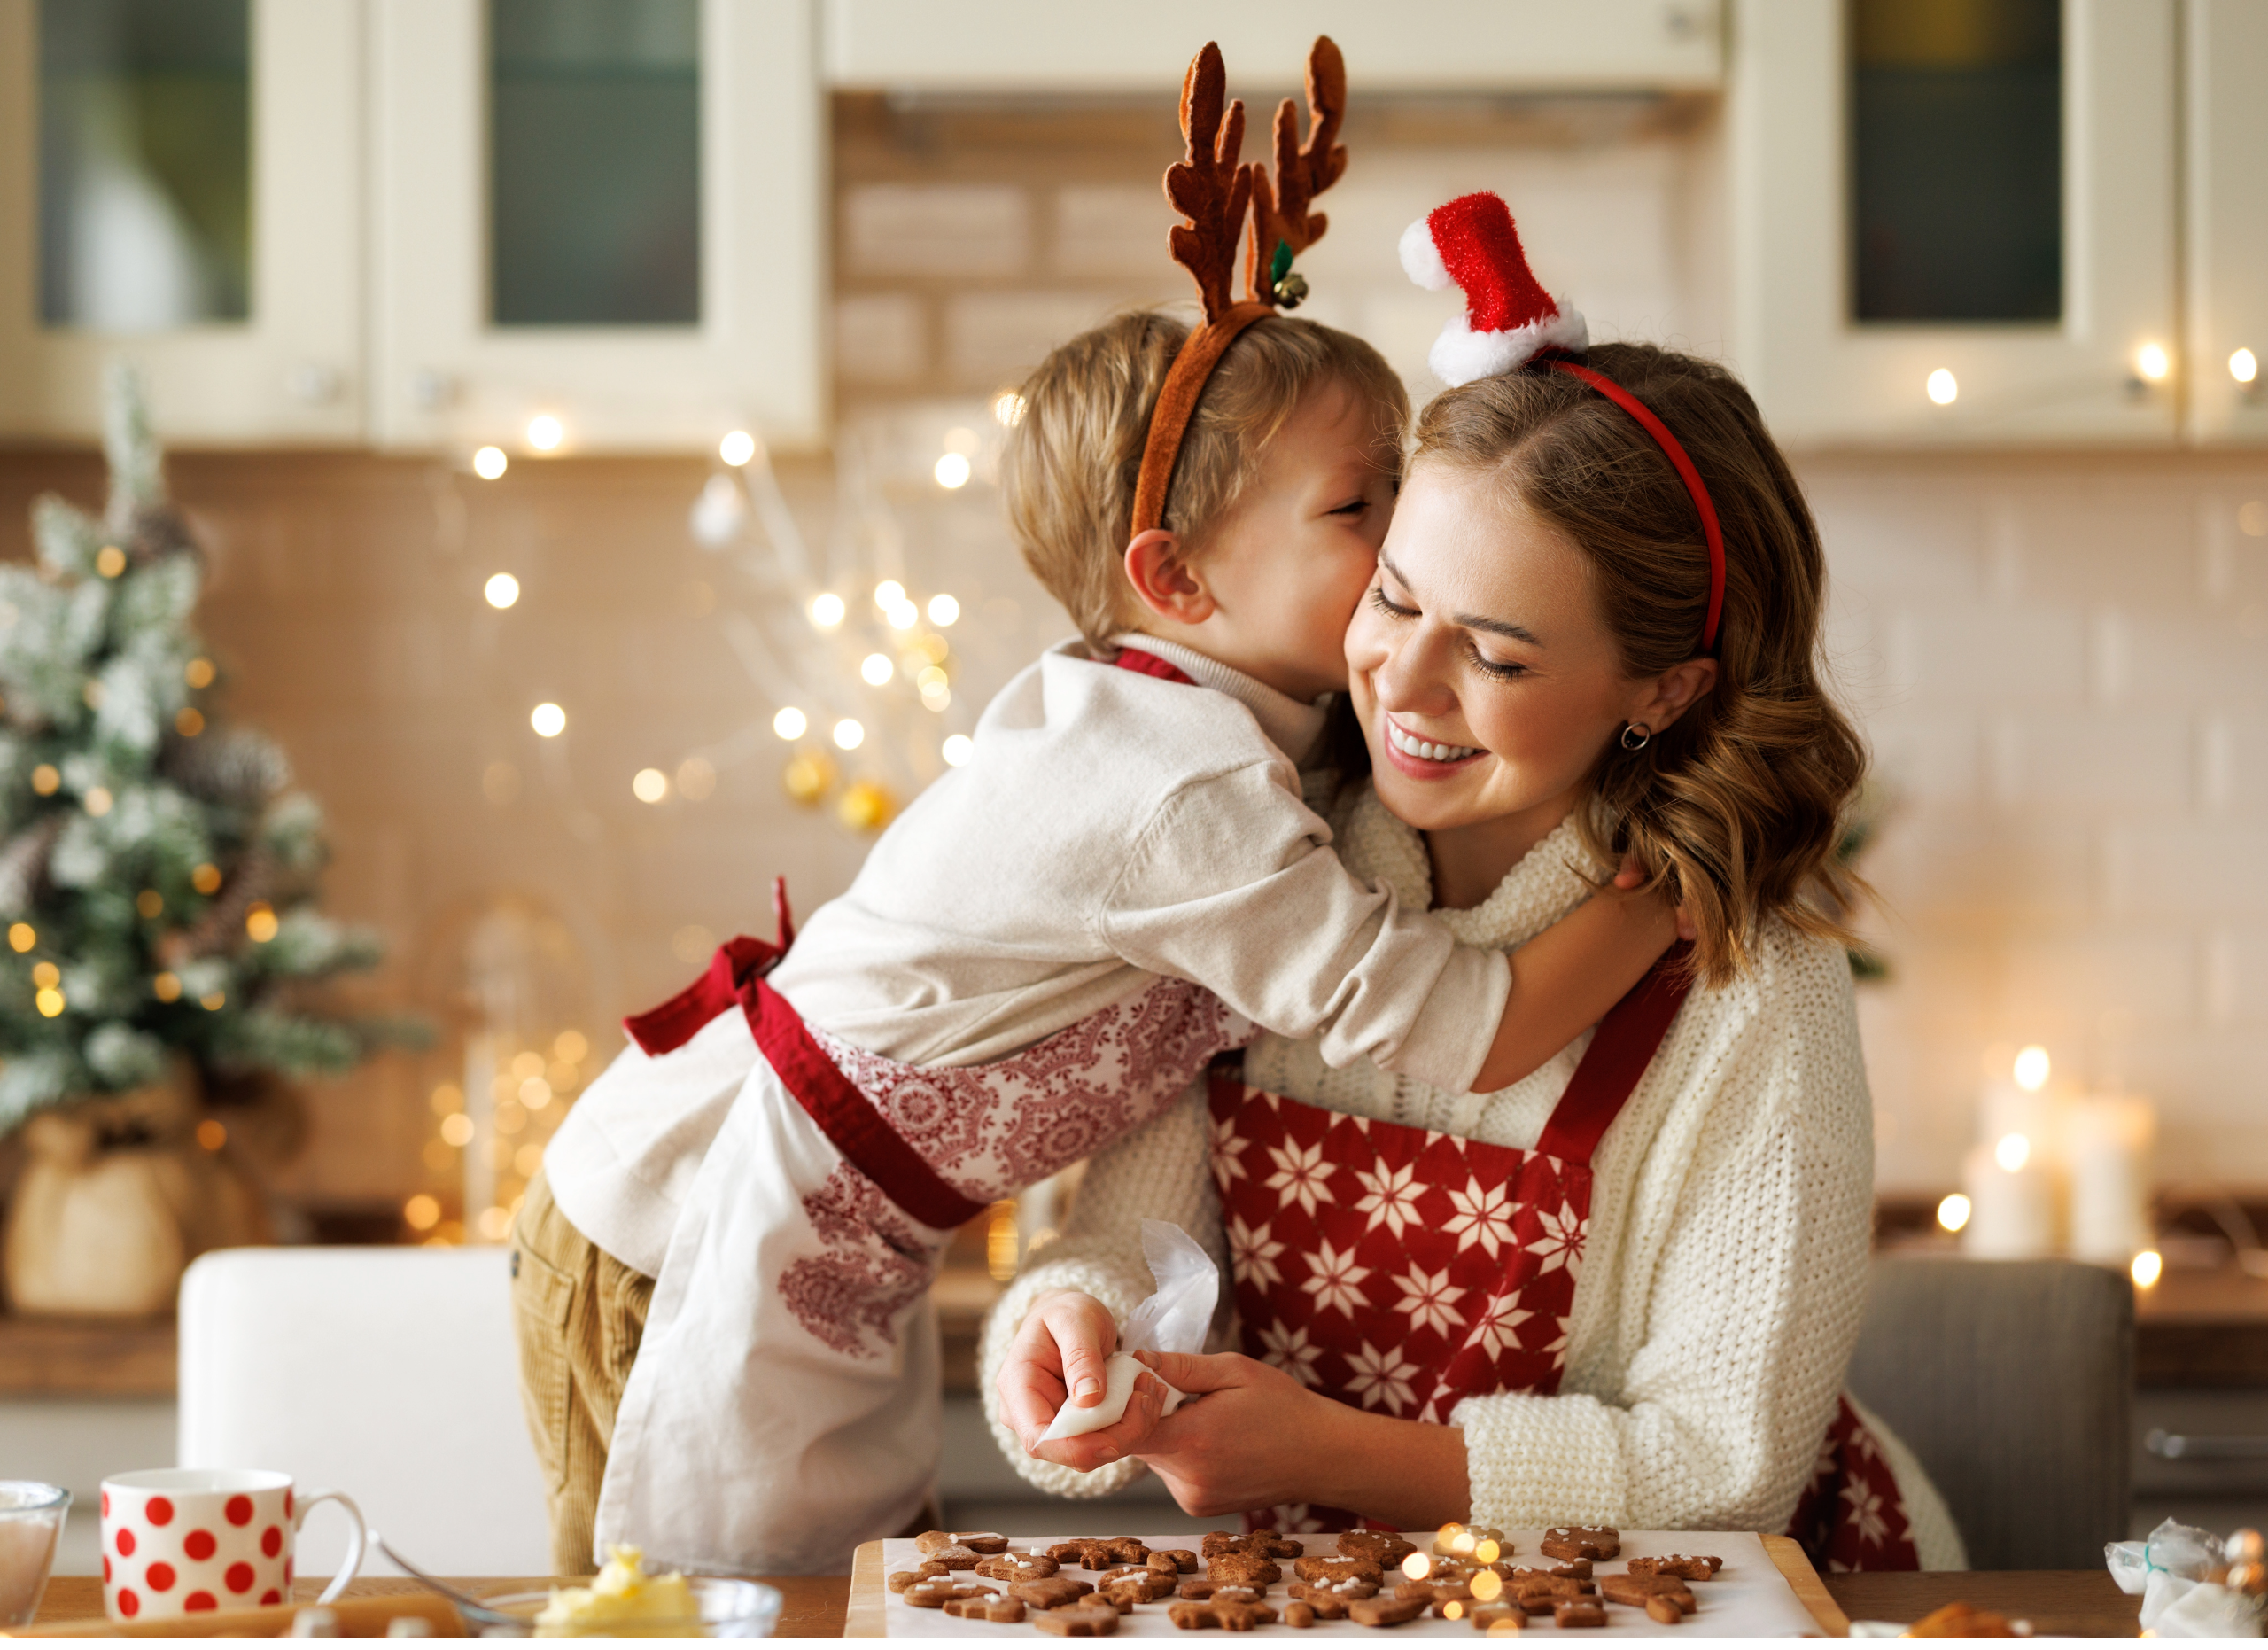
(1059, 1353)
(1255, 1438)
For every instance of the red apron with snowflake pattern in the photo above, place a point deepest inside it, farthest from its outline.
(1403, 1270)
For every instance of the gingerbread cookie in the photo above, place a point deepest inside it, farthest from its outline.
(982, 1542)
(1381, 1547)
(1299, 1614)
(1242, 1569)
(1635, 1590)
(1508, 1614)
(901, 1579)
(1434, 1589)
(1183, 1560)
(1582, 1541)
(1664, 1609)
(1578, 1612)
(1316, 1567)
(1051, 1592)
(939, 1592)
(1017, 1567)
(1200, 1590)
(1133, 1586)
(1076, 1621)
(1384, 1611)
(1190, 1614)
(1702, 1568)
(1534, 1584)
(1265, 1543)
(993, 1607)
(1344, 1589)
(1090, 1553)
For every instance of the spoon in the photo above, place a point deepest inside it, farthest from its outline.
(467, 1604)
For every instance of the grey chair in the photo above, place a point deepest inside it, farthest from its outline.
(2014, 1383)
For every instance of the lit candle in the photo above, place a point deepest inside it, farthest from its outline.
(2008, 1174)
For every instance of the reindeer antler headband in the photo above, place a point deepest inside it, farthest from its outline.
(1212, 191)
(1510, 322)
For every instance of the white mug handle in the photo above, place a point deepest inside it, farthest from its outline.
(346, 1571)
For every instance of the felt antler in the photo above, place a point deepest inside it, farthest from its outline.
(1282, 226)
(1209, 188)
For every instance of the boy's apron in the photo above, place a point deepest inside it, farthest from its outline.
(1401, 1270)
(784, 1404)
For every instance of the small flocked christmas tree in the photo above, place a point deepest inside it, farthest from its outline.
(157, 871)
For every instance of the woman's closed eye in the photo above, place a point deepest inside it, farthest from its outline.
(1353, 507)
(1491, 669)
(1386, 605)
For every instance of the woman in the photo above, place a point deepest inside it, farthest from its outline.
(1538, 693)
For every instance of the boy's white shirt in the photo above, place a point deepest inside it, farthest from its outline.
(1109, 827)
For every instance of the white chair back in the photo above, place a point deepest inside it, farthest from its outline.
(389, 1374)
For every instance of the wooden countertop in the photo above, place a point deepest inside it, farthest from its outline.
(2202, 1329)
(2076, 1603)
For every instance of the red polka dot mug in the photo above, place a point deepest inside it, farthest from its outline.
(179, 1541)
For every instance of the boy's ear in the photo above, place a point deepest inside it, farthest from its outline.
(1164, 580)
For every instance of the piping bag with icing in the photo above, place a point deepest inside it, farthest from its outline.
(1173, 1319)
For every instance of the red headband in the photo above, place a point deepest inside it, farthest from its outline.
(1686, 472)
(1510, 322)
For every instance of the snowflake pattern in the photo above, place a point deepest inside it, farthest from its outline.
(1228, 1148)
(1302, 1175)
(1561, 1240)
(1290, 1351)
(1484, 1216)
(1866, 1514)
(1381, 1380)
(1390, 1195)
(1851, 1516)
(1252, 1254)
(1427, 1299)
(1493, 1331)
(1333, 1276)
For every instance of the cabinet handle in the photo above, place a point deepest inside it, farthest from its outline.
(2176, 1446)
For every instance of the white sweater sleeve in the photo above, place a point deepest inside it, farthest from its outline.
(1233, 883)
(1739, 1331)
(1158, 1172)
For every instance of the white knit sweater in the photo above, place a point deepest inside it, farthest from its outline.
(1725, 1270)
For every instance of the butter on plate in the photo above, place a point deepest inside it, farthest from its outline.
(622, 1594)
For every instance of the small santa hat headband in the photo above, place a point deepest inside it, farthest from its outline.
(1510, 322)
(1212, 190)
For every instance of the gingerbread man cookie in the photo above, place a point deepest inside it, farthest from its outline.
(1200, 1590)
(936, 1593)
(992, 1607)
(1051, 1592)
(1091, 1553)
(1582, 1541)
(1384, 1611)
(1578, 1612)
(1017, 1567)
(901, 1579)
(1636, 1590)
(1316, 1567)
(1242, 1569)
(1265, 1543)
(1190, 1614)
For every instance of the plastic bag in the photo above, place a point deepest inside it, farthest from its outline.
(2199, 1609)
(1174, 1319)
(2178, 1550)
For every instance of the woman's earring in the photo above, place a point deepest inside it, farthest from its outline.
(1635, 736)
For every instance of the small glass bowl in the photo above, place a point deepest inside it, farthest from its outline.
(31, 1520)
(730, 1608)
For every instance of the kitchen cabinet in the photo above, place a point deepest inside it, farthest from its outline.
(1959, 223)
(1042, 46)
(179, 185)
(2226, 259)
(610, 218)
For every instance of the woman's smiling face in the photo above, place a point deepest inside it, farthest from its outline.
(1487, 682)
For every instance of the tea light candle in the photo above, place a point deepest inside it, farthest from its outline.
(31, 1519)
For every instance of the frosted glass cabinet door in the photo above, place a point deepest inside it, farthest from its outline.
(1956, 222)
(600, 214)
(179, 185)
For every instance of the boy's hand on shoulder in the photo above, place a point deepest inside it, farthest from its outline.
(1059, 1355)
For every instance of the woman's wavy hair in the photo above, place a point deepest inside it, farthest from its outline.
(1735, 807)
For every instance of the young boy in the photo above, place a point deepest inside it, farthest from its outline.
(1046, 948)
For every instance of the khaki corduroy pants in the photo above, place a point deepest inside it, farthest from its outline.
(578, 1314)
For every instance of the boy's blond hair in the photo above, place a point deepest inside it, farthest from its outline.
(1075, 455)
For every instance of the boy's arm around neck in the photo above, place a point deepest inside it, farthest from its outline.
(1569, 976)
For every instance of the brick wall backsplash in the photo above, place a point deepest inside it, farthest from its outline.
(2061, 661)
